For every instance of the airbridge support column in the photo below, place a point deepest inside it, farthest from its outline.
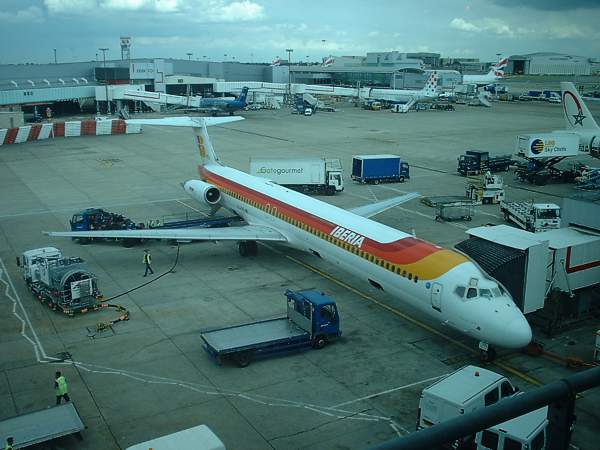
(560, 396)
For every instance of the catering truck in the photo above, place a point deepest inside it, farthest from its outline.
(307, 175)
(377, 169)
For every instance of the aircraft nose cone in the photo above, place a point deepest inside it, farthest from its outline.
(517, 333)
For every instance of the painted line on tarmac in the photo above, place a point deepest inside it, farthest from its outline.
(388, 391)
(28, 332)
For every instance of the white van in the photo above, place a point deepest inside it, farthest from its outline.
(526, 432)
(462, 392)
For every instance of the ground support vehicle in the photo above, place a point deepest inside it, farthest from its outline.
(455, 210)
(100, 220)
(489, 189)
(526, 432)
(477, 162)
(542, 152)
(43, 425)
(532, 217)
(199, 437)
(377, 169)
(463, 391)
(307, 175)
(64, 283)
(312, 320)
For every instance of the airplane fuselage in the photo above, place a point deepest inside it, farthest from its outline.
(442, 284)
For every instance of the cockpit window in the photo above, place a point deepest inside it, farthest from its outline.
(460, 291)
(496, 292)
(485, 293)
(472, 293)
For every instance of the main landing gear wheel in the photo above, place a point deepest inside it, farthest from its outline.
(319, 342)
(248, 248)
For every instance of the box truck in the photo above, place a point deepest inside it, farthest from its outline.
(379, 169)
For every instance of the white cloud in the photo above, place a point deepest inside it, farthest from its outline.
(33, 14)
(461, 24)
(197, 10)
(373, 34)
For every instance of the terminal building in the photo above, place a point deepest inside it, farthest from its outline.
(551, 64)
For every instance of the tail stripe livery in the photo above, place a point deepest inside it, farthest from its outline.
(576, 113)
(404, 256)
(432, 83)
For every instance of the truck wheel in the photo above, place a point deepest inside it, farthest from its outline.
(243, 359)
(375, 181)
(401, 179)
(330, 190)
(84, 240)
(319, 342)
(243, 249)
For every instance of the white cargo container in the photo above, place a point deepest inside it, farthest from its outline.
(547, 145)
(310, 175)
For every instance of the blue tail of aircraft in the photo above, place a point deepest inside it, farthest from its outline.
(242, 97)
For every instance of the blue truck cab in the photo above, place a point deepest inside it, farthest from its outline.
(377, 169)
(312, 320)
(98, 219)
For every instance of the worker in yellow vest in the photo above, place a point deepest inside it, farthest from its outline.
(9, 443)
(147, 261)
(60, 384)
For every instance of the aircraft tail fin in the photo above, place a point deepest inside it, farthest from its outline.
(497, 69)
(431, 85)
(198, 124)
(243, 95)
(575, 111)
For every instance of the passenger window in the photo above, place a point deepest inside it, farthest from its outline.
(511, 444)
(404, 273)
(489, 439)
(506, 390)
(460, 291)
(416, 278)
(472, 293)
(410, 276)
(491, 397)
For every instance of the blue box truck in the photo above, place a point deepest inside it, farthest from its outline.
(379, 169)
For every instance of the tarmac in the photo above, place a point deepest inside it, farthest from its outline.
(150, 376)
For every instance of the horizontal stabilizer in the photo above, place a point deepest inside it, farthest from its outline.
(186, 121)
(379, 207)
(241, 233)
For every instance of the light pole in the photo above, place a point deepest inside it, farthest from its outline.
(189, 55)
(289, 52)
(54, 56)
(104, 50)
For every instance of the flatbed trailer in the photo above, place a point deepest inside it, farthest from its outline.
(312, 319)
(43, 425)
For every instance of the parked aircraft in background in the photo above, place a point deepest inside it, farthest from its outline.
(579, 120)
(444, 285)
(496, 73)
(217, 105)
(408, 96)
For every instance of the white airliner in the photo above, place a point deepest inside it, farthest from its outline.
(429, 92)
(443, 284)
(579, 120)
(496, 73)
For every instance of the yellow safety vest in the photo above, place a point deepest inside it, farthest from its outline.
(147, 258)
(61, 388)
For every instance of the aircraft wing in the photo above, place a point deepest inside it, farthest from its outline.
(186, 121)
(241, 233)
(376, 208)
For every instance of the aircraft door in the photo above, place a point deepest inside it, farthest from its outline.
(436, 296)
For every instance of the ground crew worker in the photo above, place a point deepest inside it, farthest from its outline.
(9, 443)
(148, 260)
(60, 384)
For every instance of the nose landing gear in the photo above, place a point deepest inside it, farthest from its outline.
(486, 352)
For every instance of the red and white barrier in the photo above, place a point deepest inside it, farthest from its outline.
(66, 129)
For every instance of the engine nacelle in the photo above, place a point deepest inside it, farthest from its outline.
(203, 192)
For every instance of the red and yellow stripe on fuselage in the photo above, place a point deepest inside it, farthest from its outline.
(407, 256)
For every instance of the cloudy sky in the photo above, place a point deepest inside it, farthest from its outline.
(260, 30)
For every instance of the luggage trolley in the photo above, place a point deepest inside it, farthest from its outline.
(455, 210)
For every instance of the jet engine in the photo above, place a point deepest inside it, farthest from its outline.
(203, 192)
